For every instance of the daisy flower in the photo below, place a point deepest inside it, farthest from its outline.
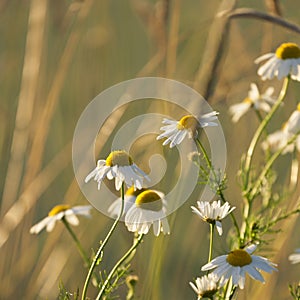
(280, 138)
(60, 212)
(205, 286)
(148, 209)
(284, 62)
(213, 212)
(118, 165)
(295, 257)
(176, 131)
(129, 199)
(237, 263)
(255, 99)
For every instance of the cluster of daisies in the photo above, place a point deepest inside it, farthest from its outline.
(142, 207)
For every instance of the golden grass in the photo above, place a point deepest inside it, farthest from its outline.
(71, 52)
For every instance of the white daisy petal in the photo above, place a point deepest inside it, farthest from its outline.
(58, 213)
(176, 131)
(237, 263)
(148, 210)
(285, 61)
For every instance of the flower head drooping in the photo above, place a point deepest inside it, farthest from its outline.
(129, 200)
(284, 62)
(176, 131)
(295, 257)
(255, 99)
(118, 165)
(280, 138)
(237, 263)
(60, 212)
(205, 286)
(148, 209)
(213, 212)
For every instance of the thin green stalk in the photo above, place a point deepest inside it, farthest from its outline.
(100, 250)
(118, 264)
(249, 156)
(260, 130)
(267, 168)
(77, 242)
(211, 241)
(219, 191)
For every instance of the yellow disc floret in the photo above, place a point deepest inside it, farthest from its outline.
(132, 192)
(239, 258)
(119, 158)
(188, 122)
(57, 209)
(149, 200)
(248, 100)
(288, 51)
(298, 107)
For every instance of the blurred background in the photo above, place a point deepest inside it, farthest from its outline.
(55, 57)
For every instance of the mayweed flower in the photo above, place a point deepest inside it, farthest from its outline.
(213, 212)
(205, 286)
(60, 212)
(176, 131)
(129, 199)
(295, 257)
(118, 165)
(284, 62)
(148, 209)
(280, 138)
(237, 263)
(255, 99)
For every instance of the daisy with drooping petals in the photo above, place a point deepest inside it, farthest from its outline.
(118, 165)
(60, 212)
(237, 263)
(255, 99)
(148, 209)
(176, 131)
(129, 199)
(213, 212)
(205, 286)
(284, 62)
(295, 257)
(280, 138)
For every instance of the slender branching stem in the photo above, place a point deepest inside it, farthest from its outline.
(77, 242)
(101, 248)
(260, 130)
(211, 241)
(249, 156)
(219, 191)
(267, 167)
(117, 266)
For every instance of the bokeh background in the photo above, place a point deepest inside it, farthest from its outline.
(55, 57)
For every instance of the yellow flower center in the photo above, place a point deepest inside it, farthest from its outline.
(188, 122)
(239, 258)
(132, 192)
(57, 209)
(151, 199)
(288, 51)
(248, 100)
(298, 107)
(119, 158)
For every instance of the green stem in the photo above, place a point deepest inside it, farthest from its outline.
(249, 156)
(100, 250)
(267, 167)
(211, 241)
(77, 242)
(117, 265)
(219, 190)
(260, 130)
